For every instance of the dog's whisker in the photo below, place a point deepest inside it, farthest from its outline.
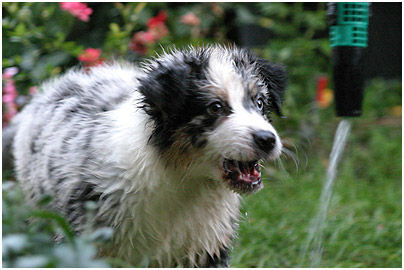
(282, 167)
(293, 156)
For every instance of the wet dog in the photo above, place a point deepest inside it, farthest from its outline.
(164, 149)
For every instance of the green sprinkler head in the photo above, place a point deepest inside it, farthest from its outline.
(348, 23)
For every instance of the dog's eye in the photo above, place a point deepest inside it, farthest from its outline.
(215, 108)
(260, 103)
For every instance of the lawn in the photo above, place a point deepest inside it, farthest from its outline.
(363, 226)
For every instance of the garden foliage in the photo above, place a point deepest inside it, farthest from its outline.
(42, 40)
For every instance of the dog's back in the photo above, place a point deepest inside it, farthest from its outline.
(58, 135)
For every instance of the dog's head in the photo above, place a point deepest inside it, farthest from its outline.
(212, 106)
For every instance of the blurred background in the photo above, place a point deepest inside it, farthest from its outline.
(363, 226)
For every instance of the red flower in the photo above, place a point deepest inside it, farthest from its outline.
(157, 20)
(91, 57)
(77, 9)
(190, 19)
(156, 29)
(156, 25)
(324, 95)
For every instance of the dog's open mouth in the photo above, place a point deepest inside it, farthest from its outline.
(242, 176)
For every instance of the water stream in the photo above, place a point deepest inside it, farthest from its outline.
(314, 243)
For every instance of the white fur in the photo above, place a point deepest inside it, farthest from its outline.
(232, 139)
(164, 213)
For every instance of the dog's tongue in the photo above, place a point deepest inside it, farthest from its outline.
(242, 170)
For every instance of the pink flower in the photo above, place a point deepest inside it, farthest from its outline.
(91, 57)
(190, 19)
(159, 31)
(9, 97)
(10, 92)
(32, 90)
(77, 9)
(139, 41)
(146, 37)
(9, 72)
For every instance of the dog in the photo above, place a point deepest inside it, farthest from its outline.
(165, 149)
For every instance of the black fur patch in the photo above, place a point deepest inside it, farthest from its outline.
(196, 130)
(66, 90)
(275, 78)
(75, 206)
(172, 98)
(219, 261)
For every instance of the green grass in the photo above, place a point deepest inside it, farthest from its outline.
(363, 228)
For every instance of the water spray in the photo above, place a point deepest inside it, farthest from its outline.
(348, 37)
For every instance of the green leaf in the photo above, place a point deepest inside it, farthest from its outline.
(72, 48)
(44, 199)
(61, 221)
(56, 59)
(29, 58)
(114, 28)
(279, 10)
(47, 63)
(244, 16)
(20, 30)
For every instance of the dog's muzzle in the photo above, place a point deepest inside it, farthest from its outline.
(245, 176)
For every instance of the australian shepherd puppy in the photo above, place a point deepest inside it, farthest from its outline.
(164, 149)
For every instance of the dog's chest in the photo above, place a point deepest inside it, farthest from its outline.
(177, 226)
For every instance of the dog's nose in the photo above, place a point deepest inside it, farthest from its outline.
(265, 140)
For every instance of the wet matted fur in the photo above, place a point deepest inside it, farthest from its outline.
(164, 149)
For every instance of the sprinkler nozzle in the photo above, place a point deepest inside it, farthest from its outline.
(348, 36)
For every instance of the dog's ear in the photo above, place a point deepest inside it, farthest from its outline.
(167, 86)
(275, 77)
(169, 93)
